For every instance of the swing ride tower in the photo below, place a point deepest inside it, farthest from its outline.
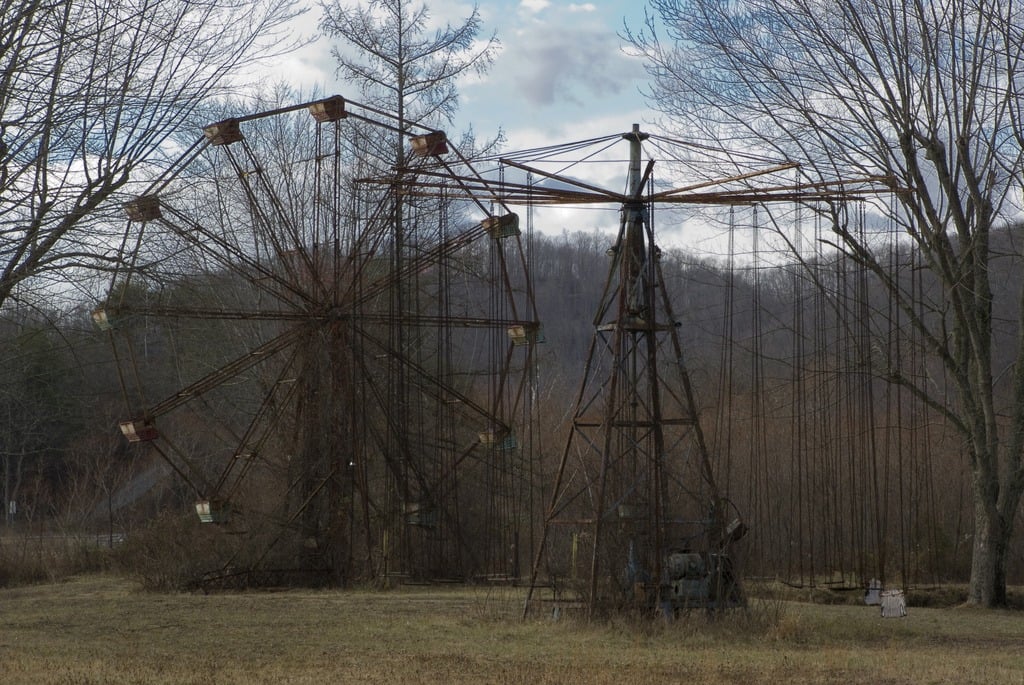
(636, 518)
(635, 514)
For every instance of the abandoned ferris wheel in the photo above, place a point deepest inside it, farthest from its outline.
(351, 361)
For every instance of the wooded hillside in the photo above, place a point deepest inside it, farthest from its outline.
(839, 476)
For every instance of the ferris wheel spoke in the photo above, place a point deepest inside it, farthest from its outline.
(421, 263)
(127, 311)
(271, 221)
(437, 387)
(234, 259)
(226, 372)
(176, 458)
(391, 427)
(260, 428)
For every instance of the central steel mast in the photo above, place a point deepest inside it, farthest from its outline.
(635, 515)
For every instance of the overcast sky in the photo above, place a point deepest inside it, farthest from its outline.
(562, 75)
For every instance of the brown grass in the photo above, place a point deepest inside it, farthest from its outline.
(30, 557)
(99, 629)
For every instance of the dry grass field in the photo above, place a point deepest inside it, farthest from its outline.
(103, 629)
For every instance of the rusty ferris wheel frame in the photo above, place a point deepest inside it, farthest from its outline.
(351, 360)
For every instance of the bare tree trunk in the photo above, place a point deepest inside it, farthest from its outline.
(988, 563)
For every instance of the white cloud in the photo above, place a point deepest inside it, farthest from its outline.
(452, 12)
(555, 75)
(534, 6)
(585, 7)
(549, 64)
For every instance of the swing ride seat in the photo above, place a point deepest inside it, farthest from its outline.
(504, 226)
(502, 438)
(433, 144)
(631, 512)
(894, 604)
(101, 318)
(420, 515)
(873, 594)
(526, 334)
(223, 132)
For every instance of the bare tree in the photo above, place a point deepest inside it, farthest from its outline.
(926, 93)
(387, 52)
(90, 97)
(38, 414)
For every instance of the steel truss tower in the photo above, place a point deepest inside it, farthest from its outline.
(635, 514)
